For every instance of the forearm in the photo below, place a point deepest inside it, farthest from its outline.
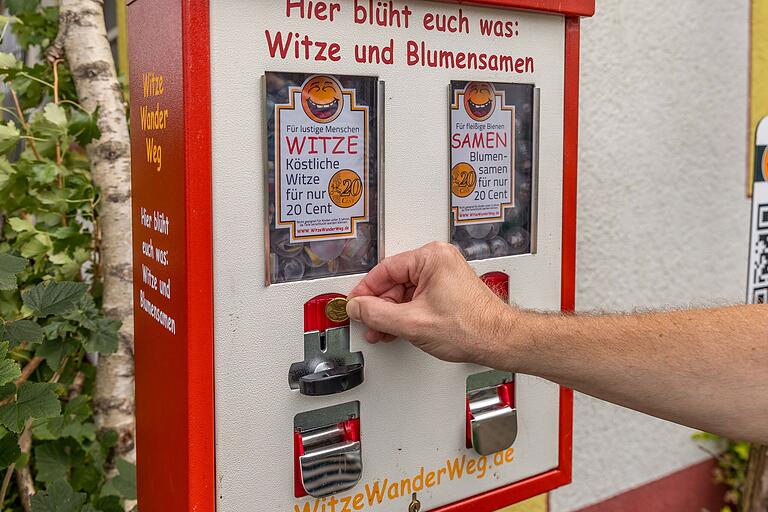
(704, 368)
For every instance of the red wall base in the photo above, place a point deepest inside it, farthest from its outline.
(689, 490)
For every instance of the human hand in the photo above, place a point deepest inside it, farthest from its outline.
(433, 298)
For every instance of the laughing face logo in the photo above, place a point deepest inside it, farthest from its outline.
(322, 99)
(479, 100)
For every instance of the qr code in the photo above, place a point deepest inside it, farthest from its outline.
(759, 256)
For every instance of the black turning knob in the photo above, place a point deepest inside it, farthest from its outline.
(331, 381)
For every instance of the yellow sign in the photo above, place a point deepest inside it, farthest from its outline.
(758, 78)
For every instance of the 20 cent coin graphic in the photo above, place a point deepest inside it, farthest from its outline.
(345, 188)
(463, 179)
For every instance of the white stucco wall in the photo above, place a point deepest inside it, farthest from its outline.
(663, 219)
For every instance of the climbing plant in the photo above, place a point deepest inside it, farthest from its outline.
(52, 456)
(731, 470)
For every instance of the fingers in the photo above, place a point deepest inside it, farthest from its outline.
(375, 336)
(402, 269)
(381, 316)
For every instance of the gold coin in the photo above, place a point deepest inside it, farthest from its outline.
(336, 310)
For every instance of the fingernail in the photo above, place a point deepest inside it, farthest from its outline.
(353, 309)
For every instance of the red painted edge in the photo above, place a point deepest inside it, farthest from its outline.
(562, 475)
(197, 148)
(298, 451)
(564, 7)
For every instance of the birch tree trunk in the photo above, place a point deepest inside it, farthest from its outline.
(755, 497)
(82, 40)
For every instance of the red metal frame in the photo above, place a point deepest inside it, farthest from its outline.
(175, 429)
(564, 7)
(197, 156)
(200, 453)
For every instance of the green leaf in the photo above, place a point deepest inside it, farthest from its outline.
(17, 7)
(9, 137)
(54, 114)
(7, 391)
(108, 439)
(33, 400)
(73, 422)
(58, 328)
(9, 450)
(21, 331)
(9, 267)
(103, 337)
(60, 258)
(9, 369)
(64, 232)
(52, 462)
(59, 497)
(38, 246)
(45, 173)
(109, 504)
(124, 483)
(742, 450)
(53, 298)
(83, 127)
(7, 60)
(20, 225)
(53, 351)
(86, 478)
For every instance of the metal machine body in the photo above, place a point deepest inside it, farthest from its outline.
(256, 400)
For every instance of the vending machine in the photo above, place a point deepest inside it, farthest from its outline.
(281, 149)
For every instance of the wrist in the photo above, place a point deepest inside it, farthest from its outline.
(508, 338)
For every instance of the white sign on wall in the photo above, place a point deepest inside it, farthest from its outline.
(757, 281)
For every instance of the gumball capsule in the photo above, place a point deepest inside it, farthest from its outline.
(355, 248)
(327, 249)
(517, 215)
(475, 250)
(479, 231)
(292, 269)
(280, 243)
(519, 240)
(498, 247)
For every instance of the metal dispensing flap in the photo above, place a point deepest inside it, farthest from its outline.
(491, 412)
(328, 450)
(330, 463)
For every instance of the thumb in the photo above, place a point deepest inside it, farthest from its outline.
(376, 314)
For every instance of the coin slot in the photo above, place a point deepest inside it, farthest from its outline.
(329, 366)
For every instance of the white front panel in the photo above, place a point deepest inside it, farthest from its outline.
(412, 406)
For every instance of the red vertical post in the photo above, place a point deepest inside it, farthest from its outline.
(172, 251)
